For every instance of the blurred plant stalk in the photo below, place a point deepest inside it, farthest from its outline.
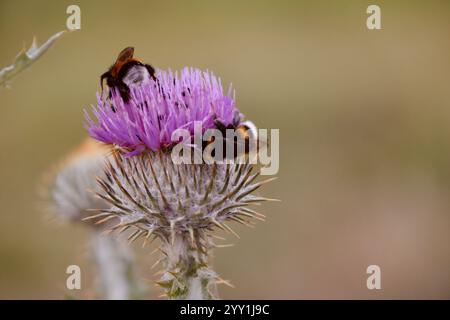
(115, 265)
(25, 58)
(72, 193)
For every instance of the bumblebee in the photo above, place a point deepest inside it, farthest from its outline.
(245, 141)
(127, 73)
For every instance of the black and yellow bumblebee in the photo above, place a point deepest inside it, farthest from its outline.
(127, 72)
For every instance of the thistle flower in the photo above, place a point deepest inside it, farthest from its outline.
(69, 184)
(71, 199)
(179, 204)
(157, 109)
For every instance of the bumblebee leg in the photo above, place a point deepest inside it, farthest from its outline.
(220, 126)
(124, 91)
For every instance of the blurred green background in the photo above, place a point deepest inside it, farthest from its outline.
(364, 123)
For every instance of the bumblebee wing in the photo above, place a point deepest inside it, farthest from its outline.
(126, 54)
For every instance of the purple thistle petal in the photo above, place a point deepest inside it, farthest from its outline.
(160, 107)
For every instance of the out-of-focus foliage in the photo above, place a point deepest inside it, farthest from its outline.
(26, 58)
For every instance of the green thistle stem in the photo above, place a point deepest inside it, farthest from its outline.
(186, 272)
